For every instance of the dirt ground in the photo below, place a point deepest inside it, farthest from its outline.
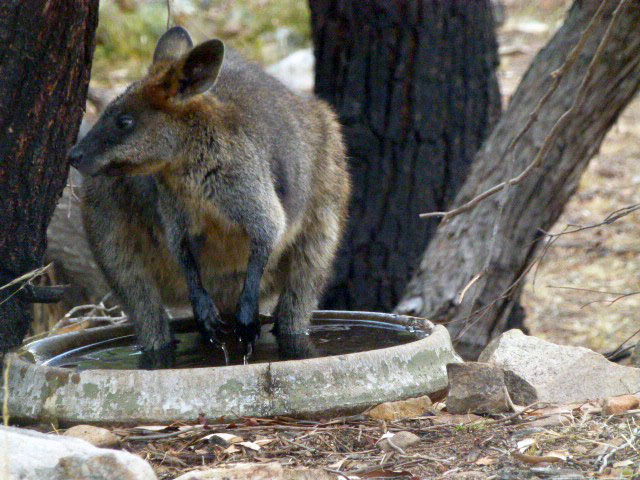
(569, 298)
(567, 442)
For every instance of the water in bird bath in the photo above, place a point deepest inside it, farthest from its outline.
(326, 337)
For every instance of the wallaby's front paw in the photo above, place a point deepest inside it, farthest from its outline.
(164, 357)
(248, 328)
(208, 317)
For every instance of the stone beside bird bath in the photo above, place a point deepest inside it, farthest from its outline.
(313, 387)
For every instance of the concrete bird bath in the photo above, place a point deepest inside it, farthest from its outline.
(341, 383)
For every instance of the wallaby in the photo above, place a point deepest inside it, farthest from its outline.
(210, 182)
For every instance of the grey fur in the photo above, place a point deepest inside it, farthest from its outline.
(246, 174)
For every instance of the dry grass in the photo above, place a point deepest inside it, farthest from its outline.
(605, 259)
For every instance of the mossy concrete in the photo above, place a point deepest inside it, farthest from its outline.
(304, 388)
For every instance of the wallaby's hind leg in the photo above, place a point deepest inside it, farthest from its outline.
(121, 245)
(308, 268)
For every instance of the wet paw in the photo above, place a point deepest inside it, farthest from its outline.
(248, 328)
(208, 317)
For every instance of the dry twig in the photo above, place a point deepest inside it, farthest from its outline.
(560, 123)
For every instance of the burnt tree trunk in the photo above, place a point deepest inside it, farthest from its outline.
(415, 87)
(45, 63)
(460, 248)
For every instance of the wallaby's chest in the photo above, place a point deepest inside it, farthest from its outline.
(222, 243)
(225, 246)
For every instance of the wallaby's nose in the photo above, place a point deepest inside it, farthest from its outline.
(75, 156)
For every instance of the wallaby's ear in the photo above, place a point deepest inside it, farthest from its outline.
(201, 68)
(172, 45)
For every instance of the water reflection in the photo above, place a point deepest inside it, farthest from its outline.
(326, 337)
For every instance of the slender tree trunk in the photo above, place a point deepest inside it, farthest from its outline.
(415, 87)
(461, 247)
(45, 61)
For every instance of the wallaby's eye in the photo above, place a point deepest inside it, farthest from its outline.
(125, 122)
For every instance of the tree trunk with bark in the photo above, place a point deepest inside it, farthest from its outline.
(45, 63)
(415, 87)
(442, 289)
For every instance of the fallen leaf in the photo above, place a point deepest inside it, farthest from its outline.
(579, 449)
(523, 445)
(250, 445)
(486, 461)
(561, 454)
(385, 435)
(231, 449)
(183, 428)
(152, 428)
(225, 437)
(535, 459)
(599, 450)
(622, 463)
(264, 441)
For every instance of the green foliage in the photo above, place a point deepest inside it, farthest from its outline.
(472, 427)
(256, 21)
(126, 37)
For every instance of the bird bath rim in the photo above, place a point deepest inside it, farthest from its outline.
(345, 383)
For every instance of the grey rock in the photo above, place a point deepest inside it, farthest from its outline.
(400, 440)
(96, 436)
(29, 455)
(476, 388)
(296, 70)
(537, 370)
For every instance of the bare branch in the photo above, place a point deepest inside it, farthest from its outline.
(560, 123)
(553, 237)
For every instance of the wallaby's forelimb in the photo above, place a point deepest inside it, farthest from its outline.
(204, 309)
(185, 249)
(248, 326)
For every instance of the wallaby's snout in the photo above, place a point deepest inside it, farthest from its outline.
(81, 161)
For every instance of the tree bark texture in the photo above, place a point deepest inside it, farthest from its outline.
(415, 88)
(45, 61)
(461, 246)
